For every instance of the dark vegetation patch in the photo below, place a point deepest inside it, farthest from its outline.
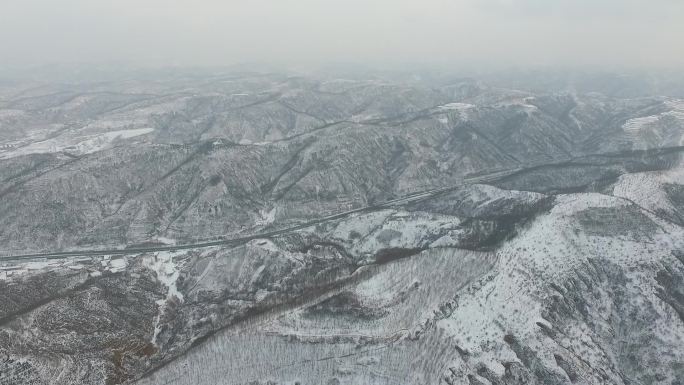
(345, 304)
(394, 253)
(675, 193)
(626, 221)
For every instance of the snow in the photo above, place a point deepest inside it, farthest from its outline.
(77, 145)
(461, 108)
(164, 267)
(546, 252)
(11, 270)
(101, 141)
(11, 113)
(493, 294)
(647, 188)
(166, 241)
(405, 294)
(115, 265)
(637, 124)
(456, 106)
(266, 217)
(391, 229)
(677, 108)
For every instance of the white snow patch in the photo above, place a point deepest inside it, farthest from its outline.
(167, 273)
(76, 145)
(101, 141)
(26, 267)
(115, 265)
(166, 241)
(265, 217)
(13, 269)
(456, 106)
(461, 108)
(637, 124)
(163, 265)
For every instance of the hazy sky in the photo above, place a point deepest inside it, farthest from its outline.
(629, 33)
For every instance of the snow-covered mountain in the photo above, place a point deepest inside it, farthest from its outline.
(272, 229)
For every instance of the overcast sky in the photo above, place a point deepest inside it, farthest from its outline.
(609, 33)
